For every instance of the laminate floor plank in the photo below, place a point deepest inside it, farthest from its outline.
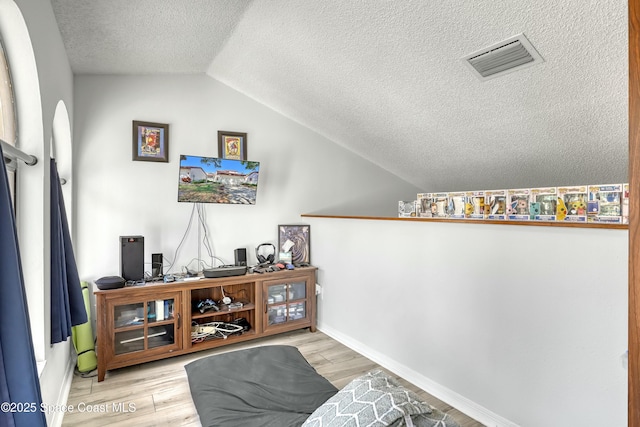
(157, 393)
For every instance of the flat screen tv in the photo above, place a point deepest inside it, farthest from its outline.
(217, 180)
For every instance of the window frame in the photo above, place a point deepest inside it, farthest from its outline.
(8, 118)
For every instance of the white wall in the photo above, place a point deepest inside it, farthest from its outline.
(300, 171)
(515, 325)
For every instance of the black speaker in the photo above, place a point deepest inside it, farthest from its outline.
(241, 256)
(132, 257)
(156, 265)
(110, 282)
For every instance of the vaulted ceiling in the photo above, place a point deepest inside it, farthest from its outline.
(385, 78)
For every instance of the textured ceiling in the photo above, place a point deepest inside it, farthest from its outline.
(384, 78)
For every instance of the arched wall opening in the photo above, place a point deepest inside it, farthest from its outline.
(32, 195)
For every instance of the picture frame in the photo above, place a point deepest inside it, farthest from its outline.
(232, 145)
(297, 240)
(150, 141)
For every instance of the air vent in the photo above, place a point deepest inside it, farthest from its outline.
(502, 58)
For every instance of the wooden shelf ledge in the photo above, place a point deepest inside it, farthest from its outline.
(480, 221)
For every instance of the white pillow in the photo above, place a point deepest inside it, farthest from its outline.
(373, 399)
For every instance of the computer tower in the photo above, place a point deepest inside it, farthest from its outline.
(241, 256)
(132, 257)
(156, 265)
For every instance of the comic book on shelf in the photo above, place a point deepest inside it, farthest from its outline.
(544, 203)
(406, 209)
(605, 203)
(625, 203)
(474, 207)
(424, 207)
(518, 208)
(495, 202)
(439, 204)
(456, 204)
(572, 204)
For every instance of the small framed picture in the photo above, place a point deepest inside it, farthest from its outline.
(295, 239)
(150, 141)
(232, 145)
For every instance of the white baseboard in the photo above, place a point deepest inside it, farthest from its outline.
(461, 403)
(65, 387)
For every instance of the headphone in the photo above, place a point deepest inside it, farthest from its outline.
(269, 258)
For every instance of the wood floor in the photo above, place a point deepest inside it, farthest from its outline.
(157, 393)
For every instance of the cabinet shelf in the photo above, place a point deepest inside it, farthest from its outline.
(161, 322)
(129, 328)
(157, 334)
(291, 301)
(140, 325)
(222, 312)
(217, 341)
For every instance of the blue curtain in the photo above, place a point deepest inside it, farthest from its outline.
(67, 302)
(18, 372)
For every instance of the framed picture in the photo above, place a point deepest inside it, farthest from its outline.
(150, 141)
(232, 145)
(295, 239)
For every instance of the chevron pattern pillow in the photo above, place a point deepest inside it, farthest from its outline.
(373, 399)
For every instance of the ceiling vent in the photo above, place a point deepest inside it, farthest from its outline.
(502, 58)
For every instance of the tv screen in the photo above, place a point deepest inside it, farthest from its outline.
(216, 180)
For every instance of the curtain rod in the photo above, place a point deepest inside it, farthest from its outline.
(14, 153)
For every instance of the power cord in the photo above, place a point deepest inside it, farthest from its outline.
(186, 233)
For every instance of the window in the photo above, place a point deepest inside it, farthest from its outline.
(22, 99)
(7, 117)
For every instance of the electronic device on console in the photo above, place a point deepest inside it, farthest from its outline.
(217, 180)
(240, 256)
(241, 321)
(266, 253)
(156, 266)
(206, 305)
(284, 265)
(132, 258)
(224, 271)
(110, 282)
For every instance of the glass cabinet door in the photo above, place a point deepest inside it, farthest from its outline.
(160, 310)
(143, 325)
(128, 315)
(277, 314)
(129, 341)
(297, 290)
(286, 302)
(297, 310)
(159, 336)
(159, 332)
(128, 322)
